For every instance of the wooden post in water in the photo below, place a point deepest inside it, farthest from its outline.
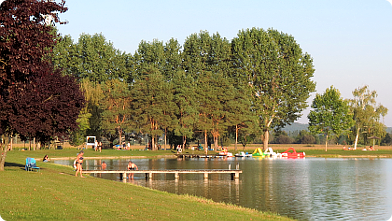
(176, 176)
(237, 176)
(124, 176)
(205, 176)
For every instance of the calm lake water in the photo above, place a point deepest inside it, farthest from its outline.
(304, 189)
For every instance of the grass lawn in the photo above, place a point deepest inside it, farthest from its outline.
(55, 193)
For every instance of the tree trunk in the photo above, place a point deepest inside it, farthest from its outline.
(11, 143)
(356, 139)
(183, 142)
(326, 143)
(119, 136)
(4, 153)
(205, 142)
(164, 145)
(236, 138)
(216, 142)
(153, 143)
(265, 140)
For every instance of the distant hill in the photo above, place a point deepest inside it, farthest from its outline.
(296, 126)
(299, 127)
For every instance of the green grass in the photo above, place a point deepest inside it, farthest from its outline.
(71, 153)
(347, 153)
(55, 193)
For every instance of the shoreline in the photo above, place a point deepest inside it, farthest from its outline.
(173, 157)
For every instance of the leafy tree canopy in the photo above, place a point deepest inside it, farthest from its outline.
(278, 73)
(330, 114)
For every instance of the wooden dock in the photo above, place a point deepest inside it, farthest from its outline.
(235, 174)
(187, 155)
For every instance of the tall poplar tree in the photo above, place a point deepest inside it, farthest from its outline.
(93, 57)
(278, 73)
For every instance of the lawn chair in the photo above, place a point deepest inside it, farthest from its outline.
(31, 164)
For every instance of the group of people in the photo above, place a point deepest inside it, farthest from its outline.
(98, 146)
(371, 148)
(79, 162)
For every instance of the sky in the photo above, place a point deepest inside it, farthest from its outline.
(350, 41)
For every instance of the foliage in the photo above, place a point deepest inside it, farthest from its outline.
(91, 57)
(35, 101)
(305, 137)
(387, 140)
(282, 138)
(115, 105)
(206, 60)
(367, 114)
(330, 114)
(47, 107)
(152, 103)
(261, 77)
(279, 75)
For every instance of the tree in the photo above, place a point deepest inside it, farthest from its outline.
(48, 107)
(283, 138)
(91, 57)
(154, 59)
(35, 101)
(214, 92)
(367, 113)
(278, 74)
(304, 137)
(239, 114)
(206, 58)
(187, 106)
(115, 105)
(152, 99)
(330, 114)
(90, 116)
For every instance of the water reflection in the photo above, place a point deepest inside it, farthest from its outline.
(305, 189)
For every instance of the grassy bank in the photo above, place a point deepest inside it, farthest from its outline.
(56, 194)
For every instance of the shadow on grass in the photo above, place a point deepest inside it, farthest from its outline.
(14, 166)
(8, 164)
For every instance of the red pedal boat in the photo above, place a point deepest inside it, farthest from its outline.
(291, 153)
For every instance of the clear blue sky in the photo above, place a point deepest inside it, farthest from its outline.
(349, 40)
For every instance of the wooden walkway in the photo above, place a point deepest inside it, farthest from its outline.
(187, 155)
(235, 174)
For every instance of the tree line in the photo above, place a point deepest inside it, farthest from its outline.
(212, 88)
(209, 87)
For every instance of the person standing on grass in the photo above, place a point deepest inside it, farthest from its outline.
(96, 145)
(100, 146)
(131, 166)
(79, 163)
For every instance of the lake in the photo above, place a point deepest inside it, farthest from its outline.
(304, 189)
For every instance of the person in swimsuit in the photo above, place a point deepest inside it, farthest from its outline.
(46, 159)
(131, 166)
(79, 163)
(103, 165)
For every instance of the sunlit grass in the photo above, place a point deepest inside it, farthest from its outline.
(55, 193)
